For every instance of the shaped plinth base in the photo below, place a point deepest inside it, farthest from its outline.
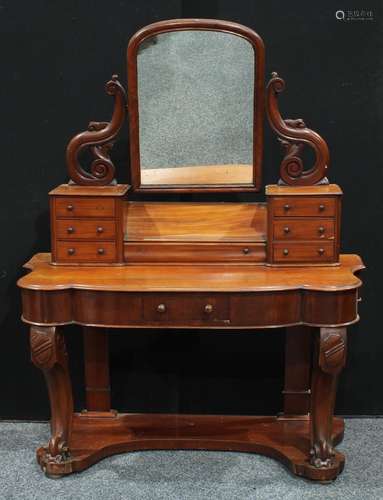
(95, 437)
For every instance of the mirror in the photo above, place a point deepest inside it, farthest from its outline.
(197, 106)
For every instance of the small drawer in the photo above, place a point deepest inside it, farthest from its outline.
(84, 207)
(85, 251)
(304, 229)
(85, 229)
(180, 308)
(314, 206)
(303, 252)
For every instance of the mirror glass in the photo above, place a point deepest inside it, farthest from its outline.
(196, 107)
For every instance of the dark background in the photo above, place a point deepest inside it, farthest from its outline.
(55, 58)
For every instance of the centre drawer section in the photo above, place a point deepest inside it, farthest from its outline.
(181, 307)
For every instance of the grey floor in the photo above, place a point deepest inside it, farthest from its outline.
(189, 474)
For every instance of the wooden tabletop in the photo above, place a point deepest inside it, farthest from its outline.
(191, 278)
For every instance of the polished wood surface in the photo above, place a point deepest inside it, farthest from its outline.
(298, 354)
(96, 364)
(294, 136)
(87, 224)
(259, 59)
(303, 224)
(192, 278)
(96, 436)
(180, 221)
(119, 263)
(99, 139)
(198, 174)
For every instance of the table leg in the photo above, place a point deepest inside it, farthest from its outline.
(48, 353)
(296, 393)
(96, 360)
(329, 359)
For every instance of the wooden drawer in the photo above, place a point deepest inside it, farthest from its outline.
(85, 229)
(314, 206)
(84, 207)
(181, 308)
(322, 251)
(304, 229)
(85, 251)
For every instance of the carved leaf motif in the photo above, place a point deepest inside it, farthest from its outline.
(42, 348)
(334, 349)
(332, 356)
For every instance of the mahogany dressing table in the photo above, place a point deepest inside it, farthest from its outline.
(118, 263)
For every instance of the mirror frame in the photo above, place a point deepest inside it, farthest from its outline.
(258, 115)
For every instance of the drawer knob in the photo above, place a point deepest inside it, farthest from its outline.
(100, 251)
(321, 230)
(70, 208)
(71, 251)
(285, 251)
(246, 251)
(161, 308)
(287, 207)
(100, 229)
(321, 208)
(286, 229)
(70, 230)
(321, 251)
(208, 308)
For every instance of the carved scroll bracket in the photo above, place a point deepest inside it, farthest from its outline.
(99, 138)
(294, 135)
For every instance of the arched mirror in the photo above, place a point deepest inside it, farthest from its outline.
(195, 90)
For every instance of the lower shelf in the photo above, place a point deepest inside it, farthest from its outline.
(96, 436)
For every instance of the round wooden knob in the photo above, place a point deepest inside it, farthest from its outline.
(70, 208)
(321, 230)
(321, 251)
(286, 229)
(71, 251)
(70, 230)
(246, 251)
(161, 308)
(285, 251)
(321, 208)
(208, 308)
(100, 251)
(100, 229)
(287, 207)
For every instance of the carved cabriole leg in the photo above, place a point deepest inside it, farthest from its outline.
(49, 354)
(329, 359)
(296, 393)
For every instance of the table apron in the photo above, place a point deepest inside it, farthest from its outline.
(210, 310)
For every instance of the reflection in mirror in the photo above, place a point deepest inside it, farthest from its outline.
(196, 105)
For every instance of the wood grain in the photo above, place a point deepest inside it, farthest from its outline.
(204, 175)
(191, 277)
(94, 438)
(177, 221)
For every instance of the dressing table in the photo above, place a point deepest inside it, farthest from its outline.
(195, 105)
